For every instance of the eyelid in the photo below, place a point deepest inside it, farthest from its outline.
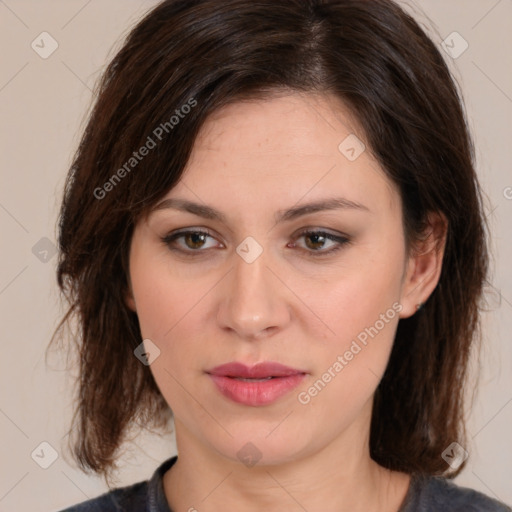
(167, 239)
(339, 239)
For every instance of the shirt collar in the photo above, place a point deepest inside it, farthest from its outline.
(157, 502)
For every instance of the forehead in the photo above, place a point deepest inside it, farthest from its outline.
(277, 150)
(301, 121)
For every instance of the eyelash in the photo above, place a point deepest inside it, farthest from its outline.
(341, 241)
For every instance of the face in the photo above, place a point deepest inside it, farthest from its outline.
(250, 275)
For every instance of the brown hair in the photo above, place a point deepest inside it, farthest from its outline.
(206, 54)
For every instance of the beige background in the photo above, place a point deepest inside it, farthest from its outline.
(43, 103)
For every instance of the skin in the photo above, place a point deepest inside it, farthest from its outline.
(251, 160)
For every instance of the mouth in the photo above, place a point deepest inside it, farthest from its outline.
(243, 379)
(261, 384)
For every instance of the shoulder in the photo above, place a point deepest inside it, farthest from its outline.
(128, 499)
(429, 494)
(138, 497)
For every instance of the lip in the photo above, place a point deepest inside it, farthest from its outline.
(258, 393)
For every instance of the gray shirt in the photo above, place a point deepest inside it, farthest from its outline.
(425, 494)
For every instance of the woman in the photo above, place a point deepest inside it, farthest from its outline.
(273, 228)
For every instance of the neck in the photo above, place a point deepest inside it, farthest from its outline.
(340, 477)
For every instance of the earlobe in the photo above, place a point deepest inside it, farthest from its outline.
(424, 265)
(129, 300)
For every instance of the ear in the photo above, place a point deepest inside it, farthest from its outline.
(128, 297)
(424, 265)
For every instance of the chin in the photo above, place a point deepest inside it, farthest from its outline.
(253, 446)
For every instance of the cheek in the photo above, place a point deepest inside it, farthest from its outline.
(157, 304)
(350, 364)
(360, 309)
(357, 297)
(172, 313)
(163, 298)
(167, 312)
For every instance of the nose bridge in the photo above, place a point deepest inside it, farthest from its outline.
(253, 302)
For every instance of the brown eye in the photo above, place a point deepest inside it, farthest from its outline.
(321, 243)
(194, 240)
(317, 240)
(190, 241)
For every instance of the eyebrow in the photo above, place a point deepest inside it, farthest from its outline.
(207, 212)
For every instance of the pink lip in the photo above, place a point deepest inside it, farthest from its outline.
(256, 393)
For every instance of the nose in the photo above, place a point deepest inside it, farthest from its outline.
(253, 300)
